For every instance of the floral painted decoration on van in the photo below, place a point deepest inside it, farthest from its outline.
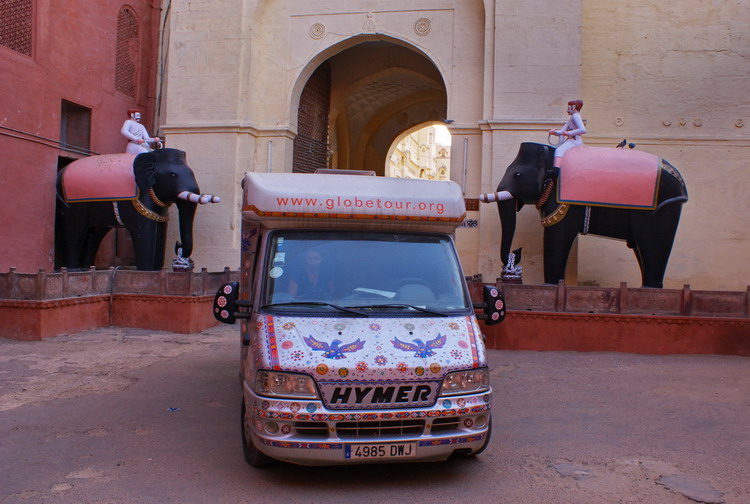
(416, 348)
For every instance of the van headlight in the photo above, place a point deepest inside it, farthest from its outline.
(464, 382)
(277, 384)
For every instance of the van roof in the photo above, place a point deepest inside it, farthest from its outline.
(341, 201)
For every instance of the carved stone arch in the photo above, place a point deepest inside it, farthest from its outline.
(379, 86)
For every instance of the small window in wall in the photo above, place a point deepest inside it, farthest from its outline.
(16, 24)
(75, 126)
(126, 52)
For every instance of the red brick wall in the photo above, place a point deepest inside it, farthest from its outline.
(311, 142)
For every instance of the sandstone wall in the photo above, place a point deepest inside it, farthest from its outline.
(667, 77)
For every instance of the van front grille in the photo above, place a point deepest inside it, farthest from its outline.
(311, 429)
(382, 429)
(444, 424)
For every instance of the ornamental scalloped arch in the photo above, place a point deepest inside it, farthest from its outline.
(370, 104)
(328, 52)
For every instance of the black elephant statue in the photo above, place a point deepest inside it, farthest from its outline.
(614, 201)
(98, 193)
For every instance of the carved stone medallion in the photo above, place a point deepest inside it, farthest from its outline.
(318, 31)
(422, 26)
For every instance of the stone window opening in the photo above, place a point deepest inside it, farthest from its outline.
(16, 29)
(127, 53)
(75, 127)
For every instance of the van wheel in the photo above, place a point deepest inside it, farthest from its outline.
(253, 456)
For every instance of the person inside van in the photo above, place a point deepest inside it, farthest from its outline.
(313, 280)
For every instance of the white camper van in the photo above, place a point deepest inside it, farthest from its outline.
(360, 342)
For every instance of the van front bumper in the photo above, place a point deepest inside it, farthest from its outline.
(306, 432)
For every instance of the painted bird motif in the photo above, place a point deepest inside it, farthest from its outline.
(334, 350)
(418, 346)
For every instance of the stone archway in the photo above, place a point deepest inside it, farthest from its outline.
(377, 90)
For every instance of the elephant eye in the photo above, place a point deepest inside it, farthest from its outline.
(173, 174)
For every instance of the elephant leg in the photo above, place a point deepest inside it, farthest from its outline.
(148, 243)
(558, 239)
(653, 235)
(93, 240)
(159, 245)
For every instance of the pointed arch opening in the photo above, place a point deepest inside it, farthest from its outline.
(359, 100)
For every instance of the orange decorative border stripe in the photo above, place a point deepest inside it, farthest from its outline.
(322, 215)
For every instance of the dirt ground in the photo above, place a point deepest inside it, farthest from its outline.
(129, 416)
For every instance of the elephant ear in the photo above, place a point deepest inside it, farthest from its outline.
(144, 169)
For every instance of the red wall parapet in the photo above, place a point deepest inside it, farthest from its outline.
(634, 320)
(622, 300)
(42, 305)
(540, 317)
(642, 334)
(70, 284)
(35, 320)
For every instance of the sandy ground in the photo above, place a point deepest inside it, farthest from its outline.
(130, 416)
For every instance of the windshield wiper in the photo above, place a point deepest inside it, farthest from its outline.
(314, 303)
(402, 305)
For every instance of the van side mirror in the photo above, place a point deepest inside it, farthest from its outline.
(227, 305)
(493, 305)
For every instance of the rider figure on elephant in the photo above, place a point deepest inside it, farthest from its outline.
(571, 131)
(136, 133)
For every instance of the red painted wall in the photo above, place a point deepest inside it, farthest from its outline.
(74, 52)
(584, 332)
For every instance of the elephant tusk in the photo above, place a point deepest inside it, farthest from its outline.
(209, 198)
(198, 198)
(496, 196)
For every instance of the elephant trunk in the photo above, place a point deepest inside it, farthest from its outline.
(186, 211)
(198, 198)
(507, 211)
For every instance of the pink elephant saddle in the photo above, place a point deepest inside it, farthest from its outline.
(108, 177)
(606, 176)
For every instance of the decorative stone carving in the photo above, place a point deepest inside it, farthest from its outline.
(422, 27)
(369, 25)
(317, 31)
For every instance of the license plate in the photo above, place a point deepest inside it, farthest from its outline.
(378, 451)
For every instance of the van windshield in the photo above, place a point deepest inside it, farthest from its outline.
(364, 272)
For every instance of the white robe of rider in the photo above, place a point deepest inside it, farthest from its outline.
(137, 135)
(572, 131)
